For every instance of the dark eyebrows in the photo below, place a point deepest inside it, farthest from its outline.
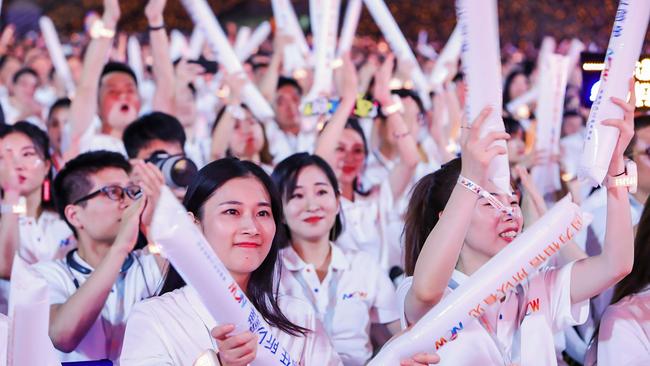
(237, 203)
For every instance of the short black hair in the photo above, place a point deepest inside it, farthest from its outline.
(64, 102)
(150, 127)
(73, 181)
(23, 71)
(113, 66)
(410, 93)
(512, 126)
(286, 81)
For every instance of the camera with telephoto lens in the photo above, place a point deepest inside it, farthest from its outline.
(178, 170)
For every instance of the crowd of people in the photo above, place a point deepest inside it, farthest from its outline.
(343, 230)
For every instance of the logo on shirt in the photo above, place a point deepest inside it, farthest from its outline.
(453, 334)
(532, 306)
(65, 242)
(237, 294)
(355, 294)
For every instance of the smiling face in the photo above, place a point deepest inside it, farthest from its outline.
(491, 230)
(350, 156)
(119, 102)
(310, 210)
(29, 163)
(238, 223)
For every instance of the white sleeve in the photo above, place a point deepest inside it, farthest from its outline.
(60, 286)
(402, 291)
(621, 340)
(144, 340)
(563, 312)
(318, 349)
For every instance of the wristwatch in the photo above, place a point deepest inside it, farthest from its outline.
(626, 179)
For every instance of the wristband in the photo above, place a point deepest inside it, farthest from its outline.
(153, 29)
(626, 179)
(392, 108)
(19, 208)
(98, 30)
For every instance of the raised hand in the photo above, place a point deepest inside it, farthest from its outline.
(151, 180)
(625, 127)
(478, 152)
(381, 90)
(154, 12)
(111, 13)
(127, 235)
(8, 175)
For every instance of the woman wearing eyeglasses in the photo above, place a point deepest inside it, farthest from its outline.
(93, 288)
(28, 226)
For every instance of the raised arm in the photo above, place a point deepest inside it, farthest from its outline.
(226, 124)
(163, 70)
(440, 252)
(70, 321)
(402, 173)
(269, 82)
(84, 104)
(593, 275)
(9, 234)
(329, 137)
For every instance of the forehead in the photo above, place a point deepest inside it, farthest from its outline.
(248, 191)
(288, 91)
(117, 79)
(311, 175)
(170, 147)
(16, 141)
(27, 76)
(351, 137)
(109, 176)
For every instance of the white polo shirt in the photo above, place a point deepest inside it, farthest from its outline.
(104, 338)
(354, 293)
(174, 329)
(44, 239)
(366, 226)
(548, 309)
(282, 144)
(624, 336)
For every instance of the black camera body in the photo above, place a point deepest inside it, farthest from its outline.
(178, 170)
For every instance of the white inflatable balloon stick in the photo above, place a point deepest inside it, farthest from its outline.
(325, 49)
(197, 39)
(513, 264)
(350, 23)
(449, 54)
(182, 243)
(389, 28)
(202, 16)
(550, 109)
(293, 59)
(243, 37)
(29, 319)
(481, 57)
(259, 35)
(623, 52)
(53, 45)
(134, 56)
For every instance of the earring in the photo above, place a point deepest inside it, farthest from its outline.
(46, 190)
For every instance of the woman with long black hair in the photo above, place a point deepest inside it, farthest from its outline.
(239, 211)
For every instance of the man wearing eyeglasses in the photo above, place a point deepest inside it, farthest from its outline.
(93, 288)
